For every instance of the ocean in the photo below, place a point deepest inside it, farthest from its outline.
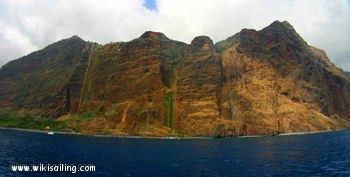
(321, 154)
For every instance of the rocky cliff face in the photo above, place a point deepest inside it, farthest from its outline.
(273, 79)
(254, 83)
(131, 83)
(198, 86)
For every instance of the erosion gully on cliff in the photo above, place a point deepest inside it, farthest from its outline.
(262, 82)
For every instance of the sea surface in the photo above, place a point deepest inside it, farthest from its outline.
(322, 154)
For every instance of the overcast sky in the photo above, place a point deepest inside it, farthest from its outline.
(29, 25)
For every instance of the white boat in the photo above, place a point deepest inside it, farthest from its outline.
(50, 133)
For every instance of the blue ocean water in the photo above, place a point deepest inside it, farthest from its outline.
(323, 154)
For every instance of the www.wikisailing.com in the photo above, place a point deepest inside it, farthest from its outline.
(53, 168)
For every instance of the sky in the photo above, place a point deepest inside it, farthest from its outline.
(30, 25)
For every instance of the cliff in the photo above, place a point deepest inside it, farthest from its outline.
(47, 81)
(262, 82)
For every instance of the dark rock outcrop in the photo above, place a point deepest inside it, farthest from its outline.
(154, 35)
(202, 44)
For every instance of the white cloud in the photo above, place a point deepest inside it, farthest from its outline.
(27, 25)
(13, 43)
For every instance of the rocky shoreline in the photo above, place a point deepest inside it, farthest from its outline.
(155, 137)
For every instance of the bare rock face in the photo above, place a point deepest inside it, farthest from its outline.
(262, 82)
(131, 83)
(198, 85)
(273, 79)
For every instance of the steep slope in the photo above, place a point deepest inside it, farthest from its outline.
(262, 82)
(275, 82)
(47, 81)
(131, 83)
(198, 87)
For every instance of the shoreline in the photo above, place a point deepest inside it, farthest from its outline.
(305, 133)
(38, 131)
(166, 137)
(102, 136)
